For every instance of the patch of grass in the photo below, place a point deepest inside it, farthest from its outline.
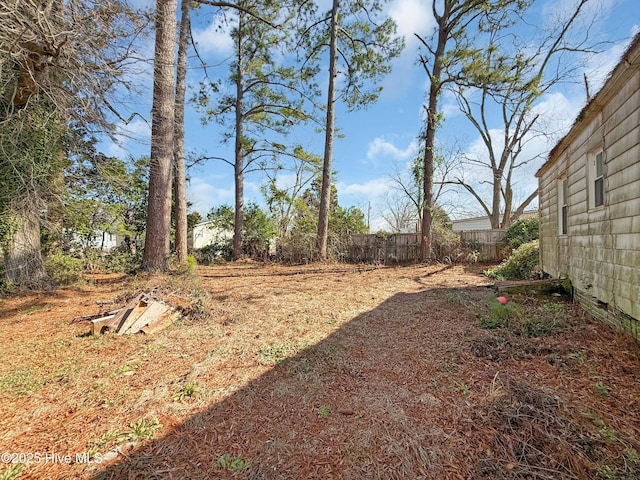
(495, 390)
(459, 296)
(464, 388)
(552, 309)
(141, 429)
(21, 382)
(116, 398)
(276, 353)
(547, 319)
(13, 472)
(107, 440)
(300, 365)
(577, 356)
(632, 456)
(188, 391)
(323, 411)
(630, 470)
(540, 326)
(234, 464)
(144, 428)
(126, 370)
(187, 268)
(597, 419)
(607, 472)
(502, 316)
(602, 389)
(199, 304)
(608, 434)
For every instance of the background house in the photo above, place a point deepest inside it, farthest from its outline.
(475, 223)
(481, 223)
(590, 199)
(99, 240)
(206, 233)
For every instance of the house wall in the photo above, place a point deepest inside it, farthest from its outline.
(206, 234)
(600, 252)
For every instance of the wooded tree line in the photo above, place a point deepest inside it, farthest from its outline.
(64, 65)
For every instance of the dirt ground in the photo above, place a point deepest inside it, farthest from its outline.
(317, 372)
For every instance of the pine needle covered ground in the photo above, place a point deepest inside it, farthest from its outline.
(317, 372)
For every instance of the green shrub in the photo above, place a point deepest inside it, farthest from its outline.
(199, 304)
(444, 241)
(216, 252)
(523, 231)
(64, 269)
(119, 261)
(542, 321)
(183, 268)
(191, 262)
(523, 264)
(502, 316)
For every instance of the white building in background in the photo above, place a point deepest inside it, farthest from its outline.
(100, 240)
(474, 223)
(205, 233)
(482, 223)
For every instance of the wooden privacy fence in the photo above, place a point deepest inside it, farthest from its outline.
(476, 245)
(393, 248)
(489, 244)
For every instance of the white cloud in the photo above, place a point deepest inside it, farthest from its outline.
(216, 38)
(286, 181)
(137, 129)
(449, 106)
(204, 196)
(600, 65)
(557, 113)
(131, 139)
(371, 190)
(380, 148)
(412, 16)
(252, 191)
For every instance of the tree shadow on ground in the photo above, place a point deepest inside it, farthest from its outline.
(373, 400)
(403, 392)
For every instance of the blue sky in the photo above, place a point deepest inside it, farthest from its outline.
(381, 140)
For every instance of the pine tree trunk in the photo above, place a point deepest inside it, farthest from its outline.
(238, 224)
(325, 193)
(156, 249)
(180, 202)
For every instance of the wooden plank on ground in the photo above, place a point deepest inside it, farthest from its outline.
(160, 323)
(97, 324)
(121, 316)
(156, 309)
(136, 312)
